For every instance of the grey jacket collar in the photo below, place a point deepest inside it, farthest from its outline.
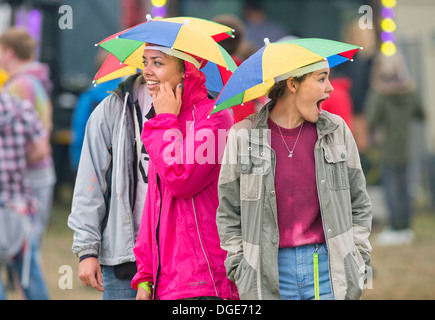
(131, 85)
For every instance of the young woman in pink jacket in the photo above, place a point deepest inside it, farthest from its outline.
(177, 251)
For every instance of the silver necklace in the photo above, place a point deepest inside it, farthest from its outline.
(290, 155)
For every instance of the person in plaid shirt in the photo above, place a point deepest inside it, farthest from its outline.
(29, 79)
(23, 140)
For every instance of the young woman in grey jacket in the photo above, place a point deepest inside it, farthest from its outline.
(294, 215)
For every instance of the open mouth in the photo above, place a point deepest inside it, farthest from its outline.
(319, 103)
(152, 82)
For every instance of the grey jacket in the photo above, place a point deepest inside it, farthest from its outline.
(247, 212)
(105, 188)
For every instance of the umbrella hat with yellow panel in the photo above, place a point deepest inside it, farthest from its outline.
(179, 36)
(278, 61)
(185, 34)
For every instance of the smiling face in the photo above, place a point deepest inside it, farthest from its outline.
(310, 93)
(160, 68)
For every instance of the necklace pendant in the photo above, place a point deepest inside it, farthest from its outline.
(290, 154)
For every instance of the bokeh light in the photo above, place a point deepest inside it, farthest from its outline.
(158, 12)
(389, 3)
(158, 9)
(388, 13)
(158, 3)
(388, 25)
(388, 36)
(388, 48)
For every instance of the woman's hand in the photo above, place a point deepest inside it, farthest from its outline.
(142, 294)
(166, 101)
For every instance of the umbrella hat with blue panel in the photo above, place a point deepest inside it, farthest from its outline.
(192, 36)
(278, 61)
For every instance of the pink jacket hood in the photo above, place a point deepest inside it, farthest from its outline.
(178, 247)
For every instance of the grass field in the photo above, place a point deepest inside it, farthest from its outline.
(405, 272)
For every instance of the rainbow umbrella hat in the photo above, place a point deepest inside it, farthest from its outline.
(216, 30)
(129, 51)
(257, 74)
(111, 69)
(128, 46)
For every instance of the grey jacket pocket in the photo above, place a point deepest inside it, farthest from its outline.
(246, 281)
(354, 277)
(336, 167)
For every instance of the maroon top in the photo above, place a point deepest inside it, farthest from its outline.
(299, 219)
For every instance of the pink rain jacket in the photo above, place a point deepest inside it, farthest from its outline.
(178, 247)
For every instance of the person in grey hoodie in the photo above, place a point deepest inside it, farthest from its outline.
(110, 190)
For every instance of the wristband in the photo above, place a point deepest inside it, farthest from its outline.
(147, 286)
(87, 256)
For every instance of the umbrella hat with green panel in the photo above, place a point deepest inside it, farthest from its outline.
(190, 35)
(277, 61)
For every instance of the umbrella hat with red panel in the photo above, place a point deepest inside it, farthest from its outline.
(196, 37)
(278, 61)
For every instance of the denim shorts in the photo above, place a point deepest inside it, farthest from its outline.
(296, 275)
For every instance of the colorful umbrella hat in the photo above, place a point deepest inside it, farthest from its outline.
(129, 51)
(216, 30)
(112, 68)
(257, 74)
(179, 36)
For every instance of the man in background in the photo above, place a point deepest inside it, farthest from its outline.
(23, 142)
(29, 80)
